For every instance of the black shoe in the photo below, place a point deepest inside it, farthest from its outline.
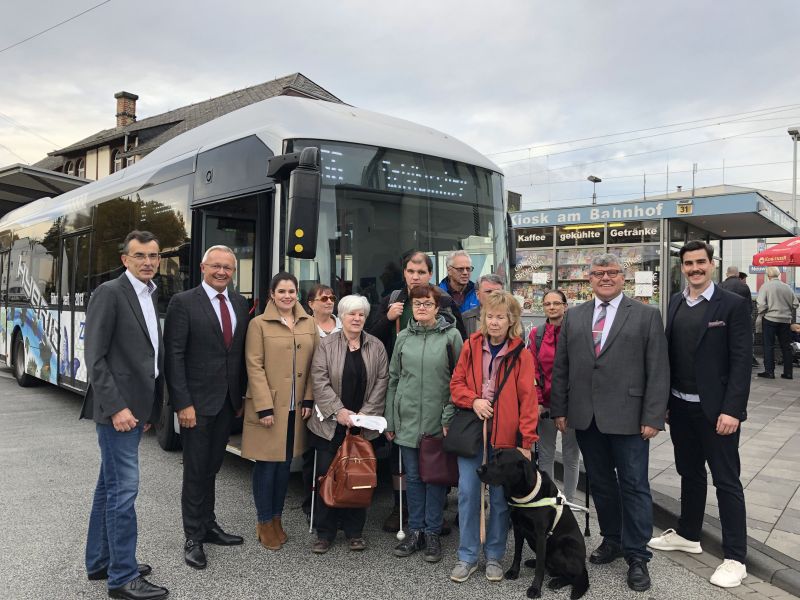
(414, 541)
(446, 528)
(766, 375)
(144, 571)
(433, 548)
(638, 576)
(194, 555)
(215, 535)
(606, 552)
(139, 589)
(785, 376)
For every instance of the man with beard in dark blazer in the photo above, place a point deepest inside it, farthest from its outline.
(204, 335)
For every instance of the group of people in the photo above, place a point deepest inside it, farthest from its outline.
(604, 374)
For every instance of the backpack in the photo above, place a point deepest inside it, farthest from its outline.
(537, 342)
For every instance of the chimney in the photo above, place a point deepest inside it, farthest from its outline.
(126, 108)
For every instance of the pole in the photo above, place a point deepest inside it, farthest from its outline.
(794, 184)
(313, 494)
(594, 193)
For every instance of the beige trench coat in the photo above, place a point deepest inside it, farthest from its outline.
(269, 349)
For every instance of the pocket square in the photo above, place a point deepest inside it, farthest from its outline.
(716, 324)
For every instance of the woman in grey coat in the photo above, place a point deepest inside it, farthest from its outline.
(349, 374)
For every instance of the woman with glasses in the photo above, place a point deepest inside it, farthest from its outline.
(321, 301)
(542, 343)
(278, 351)
(417, 403)
(349, 375)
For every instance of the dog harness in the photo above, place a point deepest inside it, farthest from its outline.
(558, 503)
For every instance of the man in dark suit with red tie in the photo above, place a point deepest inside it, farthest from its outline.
(204, 335)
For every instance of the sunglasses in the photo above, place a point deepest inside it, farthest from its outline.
(325, 298)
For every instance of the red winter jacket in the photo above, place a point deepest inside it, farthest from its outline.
(516, 410)
(545, 359)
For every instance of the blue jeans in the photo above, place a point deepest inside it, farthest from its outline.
(469, 513)
(111, 541)
(271, 480)
(617, 469)
(425, 500)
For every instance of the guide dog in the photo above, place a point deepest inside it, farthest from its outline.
(556, 539)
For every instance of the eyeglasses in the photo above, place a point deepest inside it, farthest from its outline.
(139, 256)
(601, 274)
(462, 269)
(425, 305)
(552, 304)
(225, 268)
(325, 298)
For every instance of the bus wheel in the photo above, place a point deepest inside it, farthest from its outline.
(23, 379)
(165, 429)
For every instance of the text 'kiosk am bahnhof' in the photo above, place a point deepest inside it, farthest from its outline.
(554, 247)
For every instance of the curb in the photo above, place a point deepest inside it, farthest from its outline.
(766, 563)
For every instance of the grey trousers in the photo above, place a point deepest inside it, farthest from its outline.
(570, 454)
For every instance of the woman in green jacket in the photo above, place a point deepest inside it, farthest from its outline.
(417, 403)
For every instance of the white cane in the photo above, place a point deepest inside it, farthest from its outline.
(313, 493)
(401, 535)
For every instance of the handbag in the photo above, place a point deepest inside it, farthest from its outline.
(352, 476)
(435, 465)
(466, 429)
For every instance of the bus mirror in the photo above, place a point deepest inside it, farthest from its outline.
(512, 241)
(303, 208)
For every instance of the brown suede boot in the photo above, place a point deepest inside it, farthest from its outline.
(267, 535)
(282, 537)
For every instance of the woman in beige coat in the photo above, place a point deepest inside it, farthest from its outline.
(278, 351)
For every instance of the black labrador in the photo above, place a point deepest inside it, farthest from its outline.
(561, 550)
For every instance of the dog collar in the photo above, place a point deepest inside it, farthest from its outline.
(527, 499)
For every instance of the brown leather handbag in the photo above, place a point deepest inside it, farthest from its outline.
(352, 476)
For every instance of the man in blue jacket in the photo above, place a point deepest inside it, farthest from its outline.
(457, 283)
(710, 347)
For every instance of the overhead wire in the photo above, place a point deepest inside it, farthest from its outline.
(19, 125)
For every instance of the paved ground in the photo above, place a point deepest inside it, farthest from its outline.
(48, 464)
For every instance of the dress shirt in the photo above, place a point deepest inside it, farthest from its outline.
(703, 297)
(144, 293)
(611, 312)
(212, 295)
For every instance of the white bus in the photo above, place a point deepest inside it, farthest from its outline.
(387, 186)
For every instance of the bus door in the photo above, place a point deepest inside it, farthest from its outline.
(235, 223)
(73, 296)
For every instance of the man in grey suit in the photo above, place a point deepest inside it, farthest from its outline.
(124, 358)
(611, 384)
(204, 336)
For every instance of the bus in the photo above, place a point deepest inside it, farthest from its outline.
(383, 186)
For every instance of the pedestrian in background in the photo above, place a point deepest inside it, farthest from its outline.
(486, 285)
(611, 384)
(321, 301)
(418, 403)
(204, 334)
(125, 366)
(543, 342)
(710, 346)
(349, 375)
(457, 283)
(278, 351)
(494, 377)
(777, 305)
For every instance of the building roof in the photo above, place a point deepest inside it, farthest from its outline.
(154, 131)
(19, 184)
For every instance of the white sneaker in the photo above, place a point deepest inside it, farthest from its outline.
(729, 574)
(670, 540)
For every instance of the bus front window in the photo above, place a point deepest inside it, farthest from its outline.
(379, 203)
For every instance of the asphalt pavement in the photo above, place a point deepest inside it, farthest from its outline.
(49, 462)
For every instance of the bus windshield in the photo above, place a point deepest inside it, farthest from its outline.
(379, 203)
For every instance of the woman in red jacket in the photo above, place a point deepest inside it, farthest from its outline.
(542, 343)
(512, 414)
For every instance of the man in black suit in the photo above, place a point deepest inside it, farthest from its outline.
(124, 360)
(204, 334)
(708, 331)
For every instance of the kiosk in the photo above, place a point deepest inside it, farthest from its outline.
(553, 248)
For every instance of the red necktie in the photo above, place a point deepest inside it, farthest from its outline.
(597, 330)
(225, 315)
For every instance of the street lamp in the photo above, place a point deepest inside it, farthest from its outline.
(794, 133)
(596, 180)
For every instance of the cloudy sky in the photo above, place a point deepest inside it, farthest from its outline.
(692, 81)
